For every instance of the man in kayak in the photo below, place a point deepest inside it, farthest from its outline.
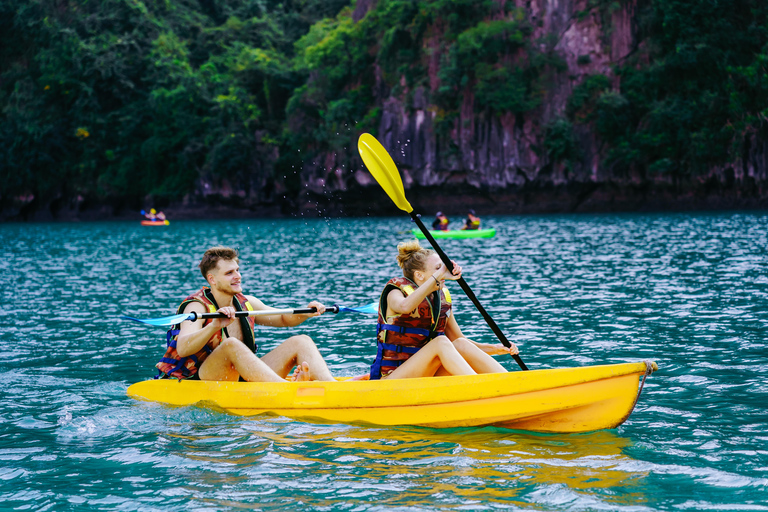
(417, 334)
(472, 221)
(441, 222)
(225, 348)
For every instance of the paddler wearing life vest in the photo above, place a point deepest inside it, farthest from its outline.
(225, 348)
(417, 334)
(472, 221)
(441, 222)
(154, 214)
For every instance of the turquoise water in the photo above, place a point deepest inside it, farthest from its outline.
(689, 291)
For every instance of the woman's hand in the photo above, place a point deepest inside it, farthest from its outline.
(443, 273)
(497, 349)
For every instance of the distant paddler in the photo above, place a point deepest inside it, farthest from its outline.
(154, 218)
(472, 221)
(417, 333)
(153, 214)
(225, 349)
(441, 222)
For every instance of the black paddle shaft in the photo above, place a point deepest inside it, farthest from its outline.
(238, 314)
(467, 290)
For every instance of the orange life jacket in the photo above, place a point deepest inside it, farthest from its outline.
(399, 337)
(441, 223)
(173, 365)
(472, 222)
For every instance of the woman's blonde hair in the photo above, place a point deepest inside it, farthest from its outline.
(412, 257)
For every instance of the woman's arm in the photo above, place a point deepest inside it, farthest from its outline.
(453, 331)
(402, 305)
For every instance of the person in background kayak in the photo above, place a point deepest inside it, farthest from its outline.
(441, 222)
(417, 334)
(472, 221)
(154, 215)
(225, 348)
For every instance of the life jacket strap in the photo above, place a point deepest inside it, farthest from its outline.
(170, 337)
(401, 329)
(377, 363)
(181, 363)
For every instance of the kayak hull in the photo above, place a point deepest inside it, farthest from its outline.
(560, 400)
(459, 233)
(155, 223)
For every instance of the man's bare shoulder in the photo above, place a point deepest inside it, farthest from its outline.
(195, 306)
(256, 304)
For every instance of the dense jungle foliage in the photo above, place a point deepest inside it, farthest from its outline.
(117, 99)
(693, 97)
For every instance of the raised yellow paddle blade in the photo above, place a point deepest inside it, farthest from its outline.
(383, 169)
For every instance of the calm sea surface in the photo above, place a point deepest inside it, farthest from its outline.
(689, 291)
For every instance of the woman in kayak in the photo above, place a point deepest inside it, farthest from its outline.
(417, 334)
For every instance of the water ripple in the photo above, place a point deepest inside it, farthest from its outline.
(689, 291)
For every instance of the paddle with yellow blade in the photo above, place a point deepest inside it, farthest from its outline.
(383, 169)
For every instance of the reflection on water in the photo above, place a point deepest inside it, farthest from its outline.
(688, 291)
(413, 466)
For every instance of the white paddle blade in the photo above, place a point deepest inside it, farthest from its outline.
(165, 321)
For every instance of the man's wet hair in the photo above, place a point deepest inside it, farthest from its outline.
(213, 255)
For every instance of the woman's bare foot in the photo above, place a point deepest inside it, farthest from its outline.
(301, 373)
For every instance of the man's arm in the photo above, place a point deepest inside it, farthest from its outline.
(282, 320)
(193, 336)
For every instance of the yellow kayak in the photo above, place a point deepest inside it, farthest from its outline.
(560, 400)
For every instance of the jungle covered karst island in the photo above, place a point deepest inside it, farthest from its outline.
(253, 108)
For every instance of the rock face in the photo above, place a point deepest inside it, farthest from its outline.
(498, 165)
(492, 163)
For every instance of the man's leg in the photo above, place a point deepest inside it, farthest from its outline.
(294, 351)
(232, 359)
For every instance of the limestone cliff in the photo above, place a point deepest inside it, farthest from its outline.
(546, 154)
(498, 162)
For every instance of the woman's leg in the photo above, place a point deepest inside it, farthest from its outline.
(438, 353)
(477, 359)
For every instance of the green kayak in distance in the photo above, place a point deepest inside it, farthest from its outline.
(458, 233)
